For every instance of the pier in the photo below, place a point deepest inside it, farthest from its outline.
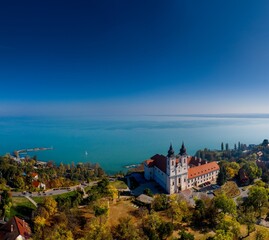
(26, 150)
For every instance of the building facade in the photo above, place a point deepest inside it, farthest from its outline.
(176, 172)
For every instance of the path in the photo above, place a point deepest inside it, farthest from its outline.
(31, 200)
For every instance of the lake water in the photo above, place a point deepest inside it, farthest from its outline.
(114, 142)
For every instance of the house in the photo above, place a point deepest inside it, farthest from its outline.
(34, 176)
(144, 200)
(179, 172)
(15, 229)
(39, 185)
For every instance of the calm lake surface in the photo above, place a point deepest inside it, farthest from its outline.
(114, 142)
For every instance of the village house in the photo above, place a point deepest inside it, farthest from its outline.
(15, 229)
(179, 172)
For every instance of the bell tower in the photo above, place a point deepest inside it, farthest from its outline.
(183, 160)
(170, 161)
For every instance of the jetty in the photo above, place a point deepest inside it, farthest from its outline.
(26, 150)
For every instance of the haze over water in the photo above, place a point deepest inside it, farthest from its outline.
(114, 142)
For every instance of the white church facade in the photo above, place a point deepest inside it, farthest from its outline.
(179, 172)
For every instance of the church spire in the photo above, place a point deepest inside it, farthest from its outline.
(183, 150)
(170, 151)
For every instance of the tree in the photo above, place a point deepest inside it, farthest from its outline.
(222, 235)
(227, 147)
(125, 230)
(148, 192)
(224, 204)
(231, 169)
(5, 203)
(258, 198)
(228, 224)
(178, 208)
(100, 211)
(246, 216)
(199, 214)
(19, 182)
(265, 143)
(185, 236)
(156, 229)
(165, 230)
(95, 231)
(50, 205)
(160, 202)
(262, 234)
(222, 177)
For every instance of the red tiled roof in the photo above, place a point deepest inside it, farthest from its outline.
(36, 184)
(20, 227)
(160, 162)
(195, 161)
(150, 163)
(202, 169)
(34, 174)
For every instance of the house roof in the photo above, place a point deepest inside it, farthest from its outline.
(34, 175)
(36, 183)
(202, 169)
(149, 163)
(160, 162)
(144, 199)
(20, 227)
(195, 161)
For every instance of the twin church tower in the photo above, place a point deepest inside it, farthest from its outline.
(176, 172)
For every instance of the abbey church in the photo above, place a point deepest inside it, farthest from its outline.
(176, 172)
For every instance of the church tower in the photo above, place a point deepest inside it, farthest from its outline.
(170, 161)
(183, 160)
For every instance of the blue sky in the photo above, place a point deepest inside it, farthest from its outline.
(134, 57)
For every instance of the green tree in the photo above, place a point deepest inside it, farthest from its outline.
(100, 211)
(224, 204)
(222, 177)
(160, 202)
(5, 203)
(154, 228)
(262, 234)
(185, 235)
(258, 198)
(178, 208)
(252, 170)
(148, 192)
(126, 230)
(222, 235)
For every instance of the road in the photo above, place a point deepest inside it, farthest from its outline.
(51, 192)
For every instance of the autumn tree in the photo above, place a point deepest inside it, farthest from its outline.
(95, 231)
(160, 202)
(126, 230)
(155, 229)
(178, 208)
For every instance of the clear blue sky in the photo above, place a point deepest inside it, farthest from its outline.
(134, 57)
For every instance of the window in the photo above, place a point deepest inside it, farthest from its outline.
(173, 183)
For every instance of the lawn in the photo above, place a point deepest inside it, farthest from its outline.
(119, 184)
(22, 207)
(229, 188)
